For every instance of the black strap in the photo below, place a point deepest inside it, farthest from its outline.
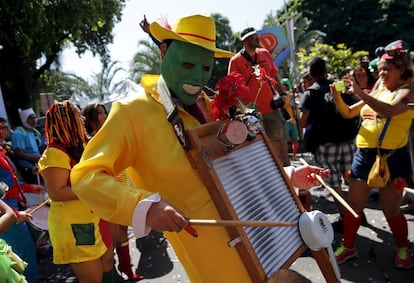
(244, 53)
(384, 129)
(179, 130)
(173, 115)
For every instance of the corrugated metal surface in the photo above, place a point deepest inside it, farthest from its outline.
(258, 191)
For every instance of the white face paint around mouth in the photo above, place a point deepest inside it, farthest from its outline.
(191, 89)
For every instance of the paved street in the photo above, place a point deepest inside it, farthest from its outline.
(374, 264)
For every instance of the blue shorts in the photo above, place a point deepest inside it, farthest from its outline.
(292, 132)
(399, 163)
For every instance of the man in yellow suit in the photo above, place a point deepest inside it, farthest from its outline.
(138, 137)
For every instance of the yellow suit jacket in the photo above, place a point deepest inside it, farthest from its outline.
(138, 138)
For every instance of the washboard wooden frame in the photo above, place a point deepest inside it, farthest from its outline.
(209, 157)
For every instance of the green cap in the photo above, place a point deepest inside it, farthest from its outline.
(373, 65)
(286, 82)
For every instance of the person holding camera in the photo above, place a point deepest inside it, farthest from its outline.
(385, 123)
(261, 76)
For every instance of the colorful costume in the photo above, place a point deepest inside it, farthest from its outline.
(8, 266)
(73, 228)
(156, 162)
(396, 138)
(260, 87)
(18, 235)
(371, 125)
(260, 90)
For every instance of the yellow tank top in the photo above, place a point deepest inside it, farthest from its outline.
(396, 135)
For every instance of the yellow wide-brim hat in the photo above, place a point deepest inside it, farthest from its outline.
(197, 29)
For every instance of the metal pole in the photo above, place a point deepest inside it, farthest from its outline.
(291, 39)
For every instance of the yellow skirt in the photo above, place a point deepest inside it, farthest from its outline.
(74, 233)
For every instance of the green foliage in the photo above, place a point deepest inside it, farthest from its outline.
(146, 61)
(303, 38)
(34, 32)
(358, 24)
(340, 59)
(361, 24)
(64, 85)
(224, 40)
(105, 82)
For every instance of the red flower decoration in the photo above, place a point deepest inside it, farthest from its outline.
(230, 90)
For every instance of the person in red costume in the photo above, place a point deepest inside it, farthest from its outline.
(261, 76)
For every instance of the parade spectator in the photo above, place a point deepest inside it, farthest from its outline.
(167, 189)
(388, 102)
(11, 267)
(95, 115)
(373, 68)
(5, 138)
(307, 81)
(18, 235)
(6, 145)
(329, 136)
(249, 62)
(77, 234)
(26, 142)
(292, 130)
(363, 77)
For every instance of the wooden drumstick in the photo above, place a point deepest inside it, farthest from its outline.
(251, 223)
(39, 206)
(337, 196)
(41, 193)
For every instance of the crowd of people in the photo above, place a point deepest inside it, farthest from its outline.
(101, 171)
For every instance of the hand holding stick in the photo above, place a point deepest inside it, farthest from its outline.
(39, 207)
(337, 196)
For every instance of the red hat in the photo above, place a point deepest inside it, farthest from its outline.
(395, 48)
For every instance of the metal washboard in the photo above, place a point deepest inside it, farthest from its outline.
(247, 182)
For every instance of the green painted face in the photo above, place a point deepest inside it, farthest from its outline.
(186, 68)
